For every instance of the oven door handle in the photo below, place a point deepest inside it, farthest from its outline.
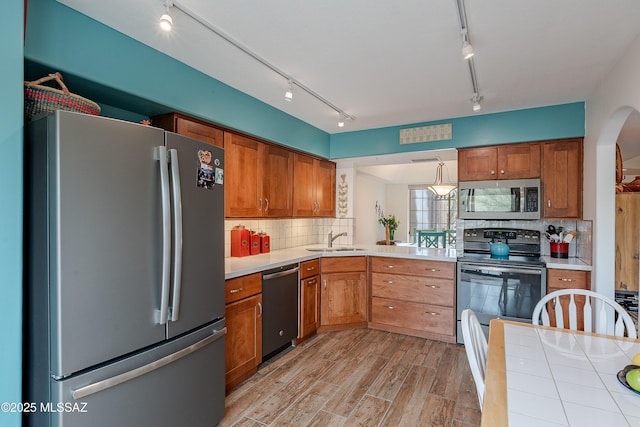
(480, 268)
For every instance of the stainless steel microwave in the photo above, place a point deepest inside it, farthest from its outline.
(499, 199)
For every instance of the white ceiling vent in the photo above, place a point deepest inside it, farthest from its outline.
(426, 134)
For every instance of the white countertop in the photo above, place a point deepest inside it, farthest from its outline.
(236, 267)
(567, 263)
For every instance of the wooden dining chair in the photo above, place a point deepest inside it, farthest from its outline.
(475, 344)
(622, 321)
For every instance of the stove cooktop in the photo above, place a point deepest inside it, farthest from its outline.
(511, 259)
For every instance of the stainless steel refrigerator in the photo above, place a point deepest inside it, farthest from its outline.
(124, 260)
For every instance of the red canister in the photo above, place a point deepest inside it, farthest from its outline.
(559, 249)
(265, 245)
(255, 243)
(240, 240)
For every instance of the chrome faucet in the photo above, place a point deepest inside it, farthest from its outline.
(332, 238)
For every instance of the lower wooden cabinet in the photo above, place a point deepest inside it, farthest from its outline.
(309, 311)
(567, 279)
(343, 293)
(413, 297)
(244, 328)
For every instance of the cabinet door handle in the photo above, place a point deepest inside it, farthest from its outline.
(549, 203)
(565, 279)
(433, 270)
(433, 286)
(389, 266)
(390, 307)
(502, 171)
(235, 291)
(325, 284)
(311, 282)
(388, 281)
(266, 206)
(433, 313)
(260, 306)
(260, 204)
(310, 268)
(493, 172)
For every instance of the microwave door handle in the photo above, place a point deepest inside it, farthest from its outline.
(177, 234)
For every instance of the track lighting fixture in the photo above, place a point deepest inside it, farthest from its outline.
(166, 22)
(340, 120)
(177, 4)
(467, 49)
(476, 102)
(288, 95)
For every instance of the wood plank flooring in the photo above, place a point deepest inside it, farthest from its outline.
(359, 377)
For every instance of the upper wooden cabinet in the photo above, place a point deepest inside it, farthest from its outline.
(188, 126)
(314, 186)
(258, 178)
(513, 161)
(562, 178)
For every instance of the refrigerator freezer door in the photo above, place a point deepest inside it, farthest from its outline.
(180, 383)
(105, 239)
(201, 294)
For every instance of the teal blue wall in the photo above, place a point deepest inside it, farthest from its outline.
(70, 42)
(11, 131)
(561, 121)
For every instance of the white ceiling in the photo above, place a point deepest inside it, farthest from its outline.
(391, 62)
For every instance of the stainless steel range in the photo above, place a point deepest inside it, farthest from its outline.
(506, 287)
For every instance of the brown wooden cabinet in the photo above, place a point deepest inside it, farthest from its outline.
(343, 294)
(309, 299)
(413, 297)
(314, 186)
(244, 328)
(627, 241)
(191, 127)
(567, 279)
(258, 178)
(512, 161)
(562, 178)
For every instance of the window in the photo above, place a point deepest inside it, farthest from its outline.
(428, 211)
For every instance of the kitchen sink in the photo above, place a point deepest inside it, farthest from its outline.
(336, 249)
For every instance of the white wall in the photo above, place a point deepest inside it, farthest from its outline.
(397, 196)
(367, 190)
(606, 110)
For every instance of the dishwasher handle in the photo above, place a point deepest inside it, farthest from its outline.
(280, 274)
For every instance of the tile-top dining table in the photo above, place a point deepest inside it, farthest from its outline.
(540, 376)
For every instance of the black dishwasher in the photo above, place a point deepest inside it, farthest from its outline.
(280, 309)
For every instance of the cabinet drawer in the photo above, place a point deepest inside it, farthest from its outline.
(344, 264)
(415, 267)
(413, 288)
(242, 287)
(309, 268)
(567, 279)
(411, 315)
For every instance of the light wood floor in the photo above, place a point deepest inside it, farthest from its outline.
(359, 377)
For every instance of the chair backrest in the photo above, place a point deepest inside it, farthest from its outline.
(622, 319)
(475, 344)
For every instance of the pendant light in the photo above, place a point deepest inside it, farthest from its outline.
(438, 187)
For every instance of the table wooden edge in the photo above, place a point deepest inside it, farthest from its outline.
(494, 408)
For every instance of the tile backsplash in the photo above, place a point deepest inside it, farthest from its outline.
(288, 233)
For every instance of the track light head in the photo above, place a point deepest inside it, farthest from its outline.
(166, 22)
(467, 50)
(340, 120)
(288, 95)
(476, 102)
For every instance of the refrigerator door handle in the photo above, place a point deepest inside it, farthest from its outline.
(161, 156)
(177, 234)
(142, 370)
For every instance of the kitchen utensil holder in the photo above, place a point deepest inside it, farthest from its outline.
(559, 249)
